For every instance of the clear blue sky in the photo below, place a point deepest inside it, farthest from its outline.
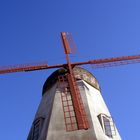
(30, 32)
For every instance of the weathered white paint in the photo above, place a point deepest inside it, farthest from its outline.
(96, 107)
(51, 109)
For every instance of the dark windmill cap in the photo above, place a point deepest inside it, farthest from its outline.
(80, 74)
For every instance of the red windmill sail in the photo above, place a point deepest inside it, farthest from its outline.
(81, 116)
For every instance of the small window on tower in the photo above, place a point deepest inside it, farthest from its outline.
(107, 125)
(37, 127)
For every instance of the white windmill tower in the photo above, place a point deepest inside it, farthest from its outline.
(56, 118)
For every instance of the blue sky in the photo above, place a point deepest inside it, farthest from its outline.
(30, 32)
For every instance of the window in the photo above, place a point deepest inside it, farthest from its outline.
(107, 125)
(37, 127)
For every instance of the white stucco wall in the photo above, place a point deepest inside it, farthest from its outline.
(54, 126)
(97, 106)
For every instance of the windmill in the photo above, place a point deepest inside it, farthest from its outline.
(77, 120)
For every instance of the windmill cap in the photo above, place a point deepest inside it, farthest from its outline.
(80, 74)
